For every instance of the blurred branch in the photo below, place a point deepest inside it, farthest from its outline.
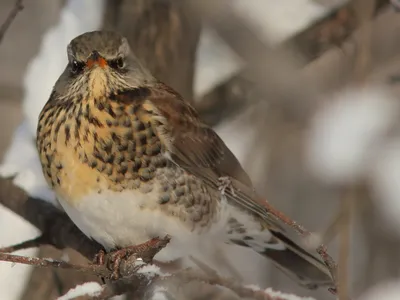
(33, 243)
(229, 97)
(259, 57)
(56, 227)
(329, 32)
(10, 18)
(51, 283)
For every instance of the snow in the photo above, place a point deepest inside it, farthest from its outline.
(26, 168)
(159, 293)
(274, 21)
(150, 271)
(385, 180)
(76, 18)
(284, 296)
(389, 290)
(65, 256)
(10, 288)
(355, 138)
(92, 289)
(217, 62)
(344, 133)
(277, 294)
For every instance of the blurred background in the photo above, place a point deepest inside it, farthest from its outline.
(304, 92)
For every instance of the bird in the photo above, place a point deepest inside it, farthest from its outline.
(129, 160)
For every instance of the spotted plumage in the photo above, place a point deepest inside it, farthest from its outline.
(129, 160)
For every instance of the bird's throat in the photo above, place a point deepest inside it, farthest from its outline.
(98, 83)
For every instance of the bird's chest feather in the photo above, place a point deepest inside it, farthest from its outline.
(98, 147)
(120, 219)
(108, 169)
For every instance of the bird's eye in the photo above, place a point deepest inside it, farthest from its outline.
(77, 67)
(118, 63)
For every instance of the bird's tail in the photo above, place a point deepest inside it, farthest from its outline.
(299, 264)
(290, 258)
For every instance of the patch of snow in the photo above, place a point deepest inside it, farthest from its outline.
(76, 18)
(21, 160)
(284, 296)
(150, 271)
(273, 21)
(277, 294)
(237, 133)
(343, 135)
(65, 257)
(215, 62)
(91, 289)
(159, 294)
(252, 287)
(389, 290)
(385, 181)
(276, 21)
(14, 276)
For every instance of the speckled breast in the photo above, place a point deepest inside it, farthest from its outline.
(88, 146)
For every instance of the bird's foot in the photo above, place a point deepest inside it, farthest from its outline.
(225, 183)
(117, 257)
(144, 251)
(99, 258)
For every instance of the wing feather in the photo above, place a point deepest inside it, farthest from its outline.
(199, 150)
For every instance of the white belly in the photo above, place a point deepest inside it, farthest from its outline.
(130, 218)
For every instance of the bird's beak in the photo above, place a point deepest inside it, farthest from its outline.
(96, 58)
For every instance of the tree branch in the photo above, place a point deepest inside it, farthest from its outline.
(230, 97)
(56, 227)
(10, 18)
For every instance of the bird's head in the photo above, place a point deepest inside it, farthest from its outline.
(100, 63)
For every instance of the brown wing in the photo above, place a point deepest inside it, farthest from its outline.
(196, 148)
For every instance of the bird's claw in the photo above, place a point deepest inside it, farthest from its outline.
(99, 258)
(116, 257)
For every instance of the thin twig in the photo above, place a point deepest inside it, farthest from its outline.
(146, 251)
(98, 270)
(10, 18)
(344, 247)
(33, 243)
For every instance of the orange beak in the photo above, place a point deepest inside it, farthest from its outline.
(96, 58)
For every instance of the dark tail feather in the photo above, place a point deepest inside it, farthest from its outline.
(295, 262)
(302, 266)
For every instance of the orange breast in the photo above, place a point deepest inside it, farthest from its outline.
(106, 148)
